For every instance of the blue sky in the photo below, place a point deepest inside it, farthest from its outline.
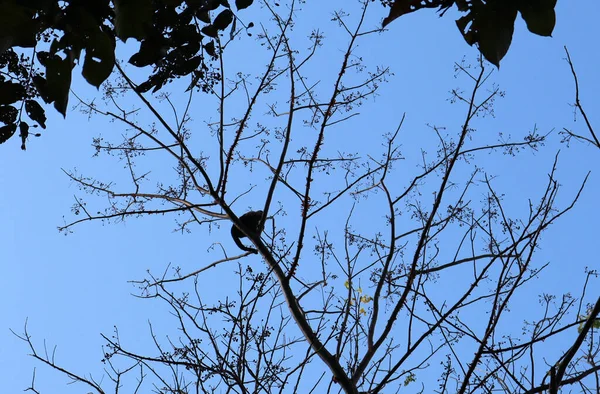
(72, 288)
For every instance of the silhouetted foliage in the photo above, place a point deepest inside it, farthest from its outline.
(488, 24)
(177, 38)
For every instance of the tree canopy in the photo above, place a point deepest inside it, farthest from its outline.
(489, 24)
(176, 38)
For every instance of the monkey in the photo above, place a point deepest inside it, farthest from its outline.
(251, 222)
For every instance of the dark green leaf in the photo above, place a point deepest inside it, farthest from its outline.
(187, 67)
(210, 31)
(144, 87)
(165, 17)
(144, 58)
(99, 58)
(43, 57)
(41, 86)
(185, 34)
(495, 25)
(210, 48)
(11, 92)
(155, 81)
(241, 4)
(79, 18)
(18, 27)
(132, 18)
(152, 49)
(6, 132)
(190, 49)
(8, 114)
(204, 16)
(223, 19)
(55, 87)
(402, 7)
(490, 26)
(58, 73)
(36, 112)
(539, 16)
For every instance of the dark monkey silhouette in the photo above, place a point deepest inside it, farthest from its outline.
(251, 221)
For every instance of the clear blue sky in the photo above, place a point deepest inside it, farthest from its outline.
(72, 288)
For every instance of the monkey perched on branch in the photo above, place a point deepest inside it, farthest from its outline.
(251, 222)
